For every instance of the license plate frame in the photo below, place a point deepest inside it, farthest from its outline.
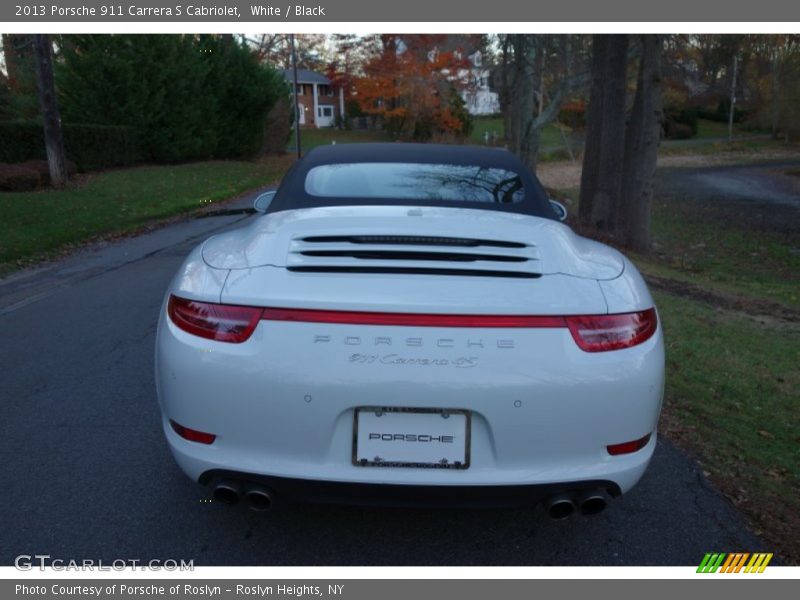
(362, 461)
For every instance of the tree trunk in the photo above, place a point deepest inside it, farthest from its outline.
(504, 86)
(524, 122)
(641, 148)
(601, 179)
(594, 121)
(530, 147)
(54, 142)
(522, 99)
(775, 95)
(732, 109)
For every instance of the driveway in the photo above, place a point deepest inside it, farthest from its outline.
(87, 474)
(764, 196)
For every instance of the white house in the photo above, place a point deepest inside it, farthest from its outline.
(477, 93)
(317, 98)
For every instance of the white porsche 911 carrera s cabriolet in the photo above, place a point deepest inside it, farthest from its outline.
(411, 325)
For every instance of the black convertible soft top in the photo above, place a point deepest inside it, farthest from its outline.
(292, 192)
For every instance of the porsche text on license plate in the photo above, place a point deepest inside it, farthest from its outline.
(411, 437)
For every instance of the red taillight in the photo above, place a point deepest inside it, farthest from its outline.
(599, 333)
(628, 447)
(192, 434)
(233, 323)
(214, 321)
(409, 319)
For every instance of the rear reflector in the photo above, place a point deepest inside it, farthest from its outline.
(192, 435)
(235, 324)
(599, 333)
(628, 447)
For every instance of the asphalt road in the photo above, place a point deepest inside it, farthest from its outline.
(86, 473)
(763, 196)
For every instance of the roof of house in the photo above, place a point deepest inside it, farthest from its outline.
(306, 76)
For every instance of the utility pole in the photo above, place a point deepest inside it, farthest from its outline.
(541, 81)
(733, 98)
(294, 95)
(51, 117)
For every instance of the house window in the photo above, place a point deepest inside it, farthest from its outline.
(301, 89)
(325, 90)
(325, 111)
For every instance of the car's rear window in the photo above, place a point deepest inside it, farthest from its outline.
(415, 181)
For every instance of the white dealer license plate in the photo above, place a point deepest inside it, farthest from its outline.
(411, 437)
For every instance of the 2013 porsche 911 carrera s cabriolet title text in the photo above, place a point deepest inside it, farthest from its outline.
(410, 324)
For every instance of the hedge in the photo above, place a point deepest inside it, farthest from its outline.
(89, 146)
(188, 97)
(722, 113)
(17, 178)
(680, 123)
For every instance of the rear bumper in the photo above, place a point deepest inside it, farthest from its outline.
(288, 489)
(348, 484)
(282, 405)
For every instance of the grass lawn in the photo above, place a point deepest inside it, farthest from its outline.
(716, 129)
(722, 256)
(311, 138)
(482, 125)
(37, 225)
(732, 394)
(728, 292)
(712, 138)
(732, 400)
(551, 136)
(697, 245)
(733, 350)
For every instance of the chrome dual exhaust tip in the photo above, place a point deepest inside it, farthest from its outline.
(230, 492)
(588, 502)
(259, 498)
(559, 507)
(592, 502)
(227, 492)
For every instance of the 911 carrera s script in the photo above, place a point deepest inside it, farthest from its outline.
(461, 362)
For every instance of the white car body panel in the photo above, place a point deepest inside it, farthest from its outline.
(272, 240)
(281, 403)
(292, 411)
(628, 292)
(421, 294)
(196, 281)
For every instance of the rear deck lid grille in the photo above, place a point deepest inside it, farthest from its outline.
(410, 254)
(411, 240)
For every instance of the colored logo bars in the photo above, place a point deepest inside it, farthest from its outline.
(734, 562)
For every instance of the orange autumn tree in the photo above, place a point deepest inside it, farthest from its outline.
(413, 83)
